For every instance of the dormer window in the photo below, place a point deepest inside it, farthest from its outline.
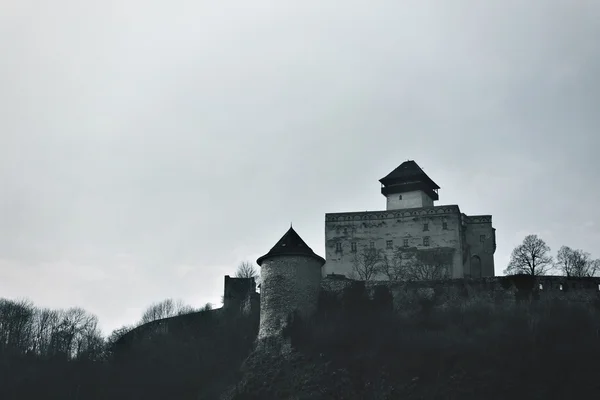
(400, 197)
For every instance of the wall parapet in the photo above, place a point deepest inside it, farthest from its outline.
(165, 326)
(515, 287)
(478, 219)
(391, 214)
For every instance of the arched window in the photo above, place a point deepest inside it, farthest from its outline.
(475, 267)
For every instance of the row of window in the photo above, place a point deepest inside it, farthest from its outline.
(425, 227)
(389, 244)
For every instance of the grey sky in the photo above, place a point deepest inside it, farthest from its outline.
(147, 147)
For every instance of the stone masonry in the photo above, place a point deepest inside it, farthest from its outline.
(291, 278)
(411, 221)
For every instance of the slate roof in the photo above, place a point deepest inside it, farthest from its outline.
(408, 170)
(290, 244)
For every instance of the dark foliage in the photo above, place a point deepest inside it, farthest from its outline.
(193, 361)
(467, 350)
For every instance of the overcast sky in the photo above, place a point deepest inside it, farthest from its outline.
(147, 147)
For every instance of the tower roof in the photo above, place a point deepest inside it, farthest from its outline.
(408, 171)
(290, 244)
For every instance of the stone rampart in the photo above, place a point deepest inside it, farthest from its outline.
(492, 289)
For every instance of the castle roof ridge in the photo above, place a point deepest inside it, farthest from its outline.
(451, 206)
(290, 244)
(408, 170)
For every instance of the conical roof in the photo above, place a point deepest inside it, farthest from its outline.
(290, 244)
(408, 170)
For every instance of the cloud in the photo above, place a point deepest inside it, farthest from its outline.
(147, 148)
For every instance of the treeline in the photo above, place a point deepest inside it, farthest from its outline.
(29, 330)
(71, 334)
(62, 354)
(533, 257)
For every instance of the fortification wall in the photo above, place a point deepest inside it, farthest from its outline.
(167, 326)
(491, 289)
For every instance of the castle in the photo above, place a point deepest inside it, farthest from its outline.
(412, 221)
(293, 277)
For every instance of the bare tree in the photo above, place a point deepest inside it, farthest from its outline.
(412, 264)
(391, 266)
(16, 325)
(366, 263)
(165, 309)
(246, 270)
(182, 309)
(431, 264)
(530, 257)
(576, 263)
(114, 337)
(396, 266)
(44, 321)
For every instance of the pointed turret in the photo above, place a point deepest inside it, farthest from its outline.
(290, 244)
(290, 281)
(408, 186)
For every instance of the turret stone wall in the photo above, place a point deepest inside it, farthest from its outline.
(290, 284)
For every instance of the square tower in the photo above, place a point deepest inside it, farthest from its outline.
(408, 186)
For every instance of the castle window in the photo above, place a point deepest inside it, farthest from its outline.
(400, 197)
(389, 244)
(541, 287)
(482, 238)
(405, 243)
(444, 225)
(426, 241)
(338, 247)
(372, 245)
(560, 287)
(426, 226)
(353, 246)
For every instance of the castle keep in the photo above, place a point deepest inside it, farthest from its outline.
(411, 221)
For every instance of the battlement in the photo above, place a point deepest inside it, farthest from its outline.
(477, 219)
(500, 288)
(392, 214)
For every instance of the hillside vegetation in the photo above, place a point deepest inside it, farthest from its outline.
(357, 348)
(63, 357)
